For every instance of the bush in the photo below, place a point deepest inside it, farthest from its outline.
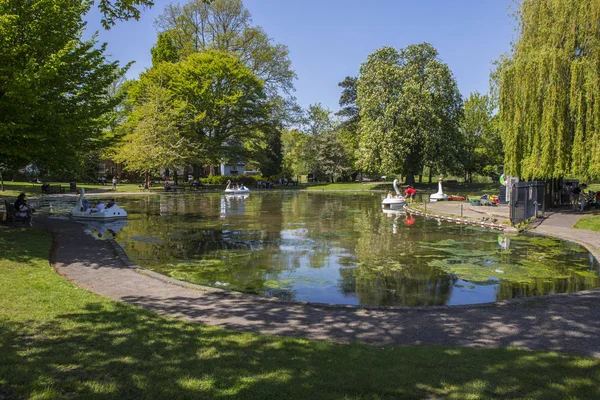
(248, 180)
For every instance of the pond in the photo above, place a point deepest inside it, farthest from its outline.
(342, 249)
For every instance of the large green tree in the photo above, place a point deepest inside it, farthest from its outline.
(481, 150)
(153, 135)
(350, 113)
(54, 87)
(550, 91)
(222, 104)
(226, 25)
(410, 109)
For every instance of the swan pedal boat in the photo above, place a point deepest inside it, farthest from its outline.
(108, 214)
(229, 190)
(394, 202)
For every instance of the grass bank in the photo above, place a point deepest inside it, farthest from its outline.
(591, 223)
(59, 341)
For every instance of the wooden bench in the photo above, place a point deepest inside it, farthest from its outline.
(12, 217)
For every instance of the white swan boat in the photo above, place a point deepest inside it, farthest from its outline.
(108, 214)
(439, 196)
(230, 190)
(397, 201)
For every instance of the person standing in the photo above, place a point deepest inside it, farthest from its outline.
(114, 183)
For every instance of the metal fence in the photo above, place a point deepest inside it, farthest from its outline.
(527, 199)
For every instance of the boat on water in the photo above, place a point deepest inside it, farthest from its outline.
(439, 196)
(111, 212)
(230, 190)
(397, 201)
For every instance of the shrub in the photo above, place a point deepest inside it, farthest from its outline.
(248, 180)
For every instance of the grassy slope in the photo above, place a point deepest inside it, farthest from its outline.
(59, 341)
(591, 223)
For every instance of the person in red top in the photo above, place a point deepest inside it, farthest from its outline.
(410, 193)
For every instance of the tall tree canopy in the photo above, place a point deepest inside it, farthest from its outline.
(54, 88)
(409, 111)
(213, 101)
(226, 25)
(550, 91)
(481, 150)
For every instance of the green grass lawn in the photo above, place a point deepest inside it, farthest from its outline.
(12, 189)
(60, 341)
(591, 223)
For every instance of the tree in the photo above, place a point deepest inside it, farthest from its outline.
(326, 156)
(295, 147)
(410, 108)
(54, 88)
(348, 129)
(550, 91)
(222, 103)
(226, 25)
(482, 148)
(164, 50)
(155, 139)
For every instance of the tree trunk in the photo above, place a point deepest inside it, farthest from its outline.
(175, 176)
(211, 170)
(430, 175)
(147, 181)
(1, 182)
(410, 179)
(420, 178)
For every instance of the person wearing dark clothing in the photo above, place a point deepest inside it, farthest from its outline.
(21, 207)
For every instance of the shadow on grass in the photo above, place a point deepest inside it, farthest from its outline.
(112, 350)
(22, 244)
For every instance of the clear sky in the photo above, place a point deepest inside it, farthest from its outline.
(329, 39)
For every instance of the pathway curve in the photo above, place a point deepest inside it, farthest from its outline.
(568, 323)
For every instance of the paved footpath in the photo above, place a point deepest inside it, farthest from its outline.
(567, 323)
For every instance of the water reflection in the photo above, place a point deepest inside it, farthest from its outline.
(342, 248)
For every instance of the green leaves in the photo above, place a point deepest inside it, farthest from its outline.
(199, 110)
(54, 87)
(549, 91)
(409, 111)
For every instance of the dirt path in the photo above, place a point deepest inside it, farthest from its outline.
(568, 323)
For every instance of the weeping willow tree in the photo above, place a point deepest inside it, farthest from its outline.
(550, 91)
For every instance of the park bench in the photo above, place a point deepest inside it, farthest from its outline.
(52, 189)
(176, 188)
(12, 217)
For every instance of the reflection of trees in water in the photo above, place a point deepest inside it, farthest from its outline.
(282, 239)
(389, 271)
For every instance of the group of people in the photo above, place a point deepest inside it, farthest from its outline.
(578, 197)
(238, 186)
(102, 181)
(409, 193)
(99, 206)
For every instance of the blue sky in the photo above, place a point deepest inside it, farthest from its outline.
(329, 39)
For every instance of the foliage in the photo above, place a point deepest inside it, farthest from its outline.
(248, 180)
(409, 109)
(325, 154)
(348, 129)
(54, 93)
(155, 139)
(164, 50)
(549, 91)
(295, 149)
(226, 25)
(123, 10)
(221, 104)
(481, 144)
